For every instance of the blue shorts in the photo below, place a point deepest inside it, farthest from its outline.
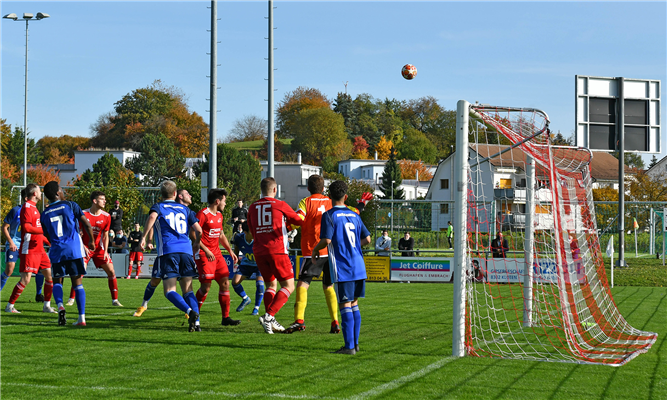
(74, 267)
(155, 273)
(11, 256)
(248, 270)
(176, 265)
(349, 291)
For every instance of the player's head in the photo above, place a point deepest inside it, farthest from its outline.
(52, 191)
(184, 197)
(168, 190)
(23, 194)
(218, 197)
(269, 187)
(315, 184)
(338, 191)
(99, 199)
(33, 192)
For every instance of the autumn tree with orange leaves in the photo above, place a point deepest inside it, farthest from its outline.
(409, 169)
(295, 102)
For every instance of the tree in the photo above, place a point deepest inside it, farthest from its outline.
(410, 168)
(293, 104)
(392, 172)
(107, 171)
(240, 171)
(250, 127)
(416, 146)
(560, 140)
(278, 149)
(345, 106)
(632, 160)
(654, 161)
(159, 160)
(13, 145)
(319, 134)
(383, 148)
(360, 149)
(41, 175)
(61, 148)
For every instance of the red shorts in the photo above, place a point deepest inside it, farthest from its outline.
(275, 266)
(211, 270)
(98, 259)
(33, 263)
(137, 256)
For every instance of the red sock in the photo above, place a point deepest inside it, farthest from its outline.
(72, 293)
(48, 290)
(18, 289)
(201, 298)
(138, 269)
(113, 287)
(129, 272)
(223, 298)
(279, 301)
(268, 298)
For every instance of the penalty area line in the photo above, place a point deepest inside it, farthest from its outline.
(403, 380)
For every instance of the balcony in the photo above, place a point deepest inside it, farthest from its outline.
(517, 195)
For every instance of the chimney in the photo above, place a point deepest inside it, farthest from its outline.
(376, 155)
(298, 158)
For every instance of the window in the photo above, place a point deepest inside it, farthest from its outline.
(505, 183)
(444, 208)
(444, 183)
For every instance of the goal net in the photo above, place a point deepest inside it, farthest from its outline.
(526, 202)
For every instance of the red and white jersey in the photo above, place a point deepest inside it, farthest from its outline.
(100, 223)
(268, 219)
(211, 225)
(31, 243)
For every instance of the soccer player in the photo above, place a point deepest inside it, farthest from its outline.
(268, 218)
(136, 255)
(182, 197)
(344, 233)
(32, 256)
(61, 219)
(211, 265)
(173, 223)
(243, 243)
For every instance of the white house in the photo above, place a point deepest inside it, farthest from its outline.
(84, 159)
(370, 172)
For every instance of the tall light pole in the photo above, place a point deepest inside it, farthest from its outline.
(392, 206)
(26, 17)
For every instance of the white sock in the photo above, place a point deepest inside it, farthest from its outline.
(144, 304)
(82, 318)
(47, 303)
(60, 305)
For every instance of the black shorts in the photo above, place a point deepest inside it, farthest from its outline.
(74, 267)
(311, 268)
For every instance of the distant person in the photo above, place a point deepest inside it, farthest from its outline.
(478, 275)
(116, 217)
(499, 246)
(136, 255)
(406, 243)
(119, 243)
(239, 213)
(450, 233)
(383, 243)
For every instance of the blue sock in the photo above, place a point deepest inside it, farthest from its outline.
(148, 293)
(80, 299)
(357, 324)
(3, 280)
(239, 290)
(58, 293)
(347, 326)
(178, 301)
(259, 294)
(191, 299)
(39, 280)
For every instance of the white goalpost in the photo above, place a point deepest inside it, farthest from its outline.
(525, 215)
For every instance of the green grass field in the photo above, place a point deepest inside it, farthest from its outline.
(405, 352)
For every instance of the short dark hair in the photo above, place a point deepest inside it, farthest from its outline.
(384, 230)
(51, 190)
(216, 194)
(95, 194)
(267, 184)
(337, 190)
(23, 194)
(315, 184)
(30, 189)
(245, 226)
(406, 233)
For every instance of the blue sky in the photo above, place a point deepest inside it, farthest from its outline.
(89, 54)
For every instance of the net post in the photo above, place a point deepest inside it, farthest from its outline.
(528, 243)
(460, 221)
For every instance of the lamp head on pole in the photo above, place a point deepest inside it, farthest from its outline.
(11, 16)
(42, 15)
(27, 15)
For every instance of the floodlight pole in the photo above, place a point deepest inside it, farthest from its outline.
(620, 130)
(213, 149)
(271, 144)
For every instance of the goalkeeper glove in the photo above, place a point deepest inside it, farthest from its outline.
(365, 198)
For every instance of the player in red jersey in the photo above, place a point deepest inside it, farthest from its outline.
(32, 256)
(268, 219)
(101, 222)
(211, 265)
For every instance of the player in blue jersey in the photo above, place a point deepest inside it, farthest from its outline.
(246, 268)
(343, 232)
(60, 222)
(173, 223)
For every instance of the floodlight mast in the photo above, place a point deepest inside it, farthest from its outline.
(26, 17)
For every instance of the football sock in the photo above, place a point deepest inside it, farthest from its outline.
(279, 301)
(300, 303)
(58, 294)
(129, 272)
(332, 303)
(113, 287)
(357, 324)
(223, 298)
(72, 293)
(81, 301)
(48, 290)
(148, 293)
(191, 299)
(259, 294)
(3, 280)
(18, 289)
(239, 290)
(178, 301)
(138, 269)
(39, 281)
(347, 326)
(269, 294)
(201, 298)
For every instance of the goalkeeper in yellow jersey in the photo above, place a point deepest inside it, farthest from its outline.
(310, 210)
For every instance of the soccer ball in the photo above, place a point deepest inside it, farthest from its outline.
(409, 71)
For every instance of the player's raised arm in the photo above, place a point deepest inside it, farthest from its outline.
(152, 217)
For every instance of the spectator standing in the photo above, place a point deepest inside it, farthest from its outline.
(499, 246)
(450, 233)
(383, 243)
(116, 217)
(406, 243)
(136, 255)
(119, 243)
(239, 214)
